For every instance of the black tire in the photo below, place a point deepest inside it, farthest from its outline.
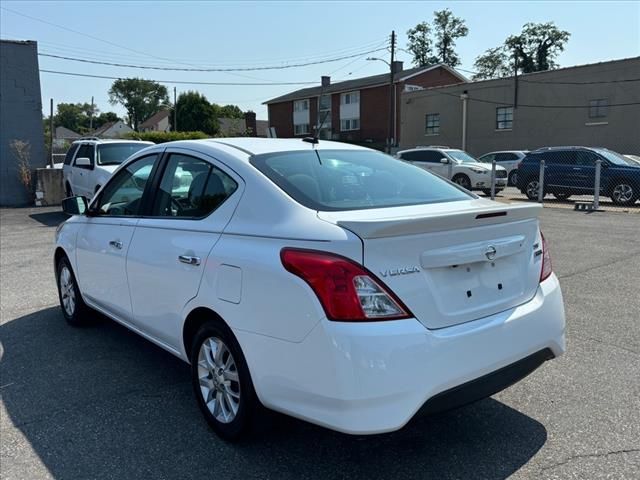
(531, 189)
(562, 195)
(513, 178)
(487, 192)
(462, 180)
(80, 314)
(248, 404)
(624, 192)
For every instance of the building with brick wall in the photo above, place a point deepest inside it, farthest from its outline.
(595, 105)
(354, 110)
(20, 117)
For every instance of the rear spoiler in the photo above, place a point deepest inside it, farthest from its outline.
(441, 221)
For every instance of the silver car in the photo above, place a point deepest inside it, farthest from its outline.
(509, 159)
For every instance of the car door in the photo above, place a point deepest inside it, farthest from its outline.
(559, 169)
(585, 170)
(82, 173)
(104, 239)
(193, 203)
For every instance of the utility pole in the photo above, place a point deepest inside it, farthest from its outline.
(91, 116)
(175, 111)
(391, 92)
(515, 79)
(465, 98)
(51, 133)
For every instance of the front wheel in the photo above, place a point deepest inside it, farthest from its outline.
(462, 180)
(513, 178)
(623, 193)
(74, 309)
(221, 381)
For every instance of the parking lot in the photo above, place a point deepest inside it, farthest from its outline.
(101, 402)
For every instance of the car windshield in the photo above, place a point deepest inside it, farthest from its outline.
(614, 157)
(334, 180)
(461, 156)
(116, 153)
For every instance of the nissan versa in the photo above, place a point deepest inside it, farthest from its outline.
(327, 281)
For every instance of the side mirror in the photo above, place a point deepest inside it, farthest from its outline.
(444, 160)
(74, 205)
(83, 162)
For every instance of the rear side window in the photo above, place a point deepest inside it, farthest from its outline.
(191, 188)
(505, 157)
(335, 180)
(69, 156)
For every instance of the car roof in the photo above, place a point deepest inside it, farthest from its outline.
(505, 151)
(111, 140)
(258, 146)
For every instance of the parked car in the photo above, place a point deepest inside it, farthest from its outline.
(571, 171)
(509, 159)
(90, 162)
(329, 282)
(466, 170)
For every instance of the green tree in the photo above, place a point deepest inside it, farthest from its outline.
(140, 98)
(448, 28)
(535, 49)
(195, 113)
(70, 115)
(229, 111)
(420, 44)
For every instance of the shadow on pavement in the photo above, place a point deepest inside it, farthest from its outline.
(101, 402)
(49, 219)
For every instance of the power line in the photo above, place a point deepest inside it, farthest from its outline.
(177, 69)
(74, 74)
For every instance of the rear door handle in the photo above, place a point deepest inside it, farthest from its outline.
(189, 260)
(577, 168)
(116, 244)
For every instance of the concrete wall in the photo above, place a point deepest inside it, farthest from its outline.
(49, 186)
(533, 127)
(20, 116)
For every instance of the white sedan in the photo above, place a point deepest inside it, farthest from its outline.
(323, 280)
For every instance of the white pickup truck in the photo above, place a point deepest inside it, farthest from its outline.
(90, 162)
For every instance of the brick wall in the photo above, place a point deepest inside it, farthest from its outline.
(281, 117)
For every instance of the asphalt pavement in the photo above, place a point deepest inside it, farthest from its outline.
(100, 402)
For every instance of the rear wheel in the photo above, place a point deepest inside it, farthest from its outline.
(462, 180)
(221, 381)
(74, 309)
(513, 178)
(623, 193)
(562, 195)
(531, 189)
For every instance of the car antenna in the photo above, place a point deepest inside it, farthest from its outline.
(316, 139)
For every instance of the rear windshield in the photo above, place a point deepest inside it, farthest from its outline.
(331, 180)
(116, 153)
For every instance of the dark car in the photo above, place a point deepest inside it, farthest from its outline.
(572, 171)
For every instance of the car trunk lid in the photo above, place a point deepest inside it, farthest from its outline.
(452, 262)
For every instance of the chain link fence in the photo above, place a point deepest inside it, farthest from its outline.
(571, 177)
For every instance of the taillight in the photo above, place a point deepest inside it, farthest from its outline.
(546, 260)
(347, 291)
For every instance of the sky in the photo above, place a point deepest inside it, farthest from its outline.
(264, 34)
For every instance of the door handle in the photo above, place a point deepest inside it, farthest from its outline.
(116, 244)
(577, 168)
(189, 260)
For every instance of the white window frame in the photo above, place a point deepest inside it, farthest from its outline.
(354, 97)
(347, 124)
(304, 126)
(502, 118)
(432, 123)
(300, 105)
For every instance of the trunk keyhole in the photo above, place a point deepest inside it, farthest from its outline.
(468, 293)
(499, 286)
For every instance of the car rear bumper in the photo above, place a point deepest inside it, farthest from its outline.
(365, 378)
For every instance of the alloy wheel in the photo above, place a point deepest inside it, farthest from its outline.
(622, 193)
(218, 379)
(532, 189)
(67, 291)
